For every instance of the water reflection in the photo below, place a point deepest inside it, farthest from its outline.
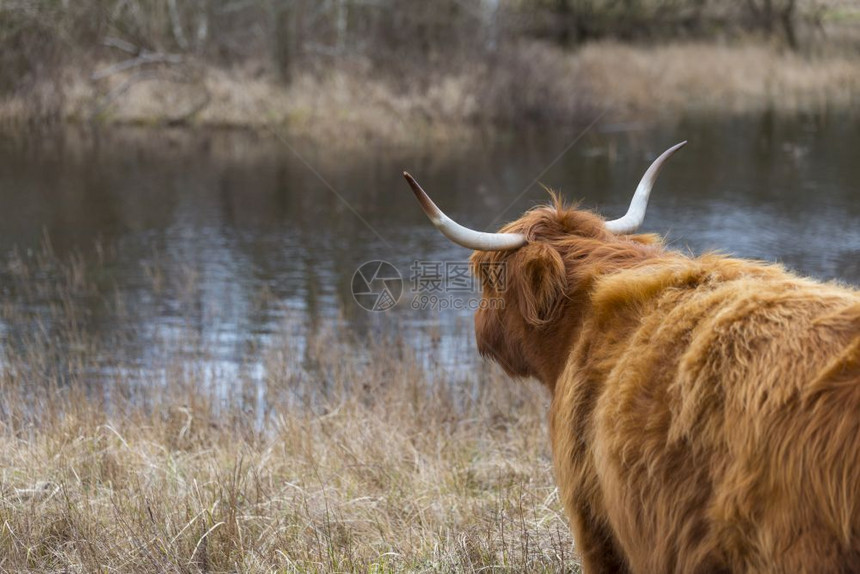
(228, 239)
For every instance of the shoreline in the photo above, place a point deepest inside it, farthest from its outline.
(348, 108)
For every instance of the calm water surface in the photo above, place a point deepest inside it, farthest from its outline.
(230, 239)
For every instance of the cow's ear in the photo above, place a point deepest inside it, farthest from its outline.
(541, 282)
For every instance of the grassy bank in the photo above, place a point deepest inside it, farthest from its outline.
(321, 455)
(393, 72)
(717, 78)
(536, 83)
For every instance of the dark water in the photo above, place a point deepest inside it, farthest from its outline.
(231, 238)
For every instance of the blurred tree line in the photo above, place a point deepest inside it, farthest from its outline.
(392, 36)
(576, 21)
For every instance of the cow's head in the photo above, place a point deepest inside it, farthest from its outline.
(540, 267)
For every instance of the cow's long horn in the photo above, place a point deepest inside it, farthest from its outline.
(460, 235)
(636, 213)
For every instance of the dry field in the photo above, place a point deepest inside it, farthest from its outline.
(329, 457)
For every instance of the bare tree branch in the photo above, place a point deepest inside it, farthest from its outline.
(145, 58)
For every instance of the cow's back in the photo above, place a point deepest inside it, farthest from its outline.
(709, 420)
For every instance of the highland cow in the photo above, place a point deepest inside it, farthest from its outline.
(705, 411)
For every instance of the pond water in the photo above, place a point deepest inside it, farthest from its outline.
(231, 238)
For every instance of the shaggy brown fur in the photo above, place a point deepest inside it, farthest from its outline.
(705, 411)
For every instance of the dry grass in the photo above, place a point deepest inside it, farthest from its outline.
(401, 73)
(325, 457)
(345, 106)
(351, 106)
(717, 78)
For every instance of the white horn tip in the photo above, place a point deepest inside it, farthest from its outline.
(636, 212)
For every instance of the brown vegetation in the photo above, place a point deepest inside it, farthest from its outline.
(721, 78)
(538, 83)
(336, 457)
(356, 72)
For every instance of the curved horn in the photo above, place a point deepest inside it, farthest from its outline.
(636, 213)
(460, 235)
